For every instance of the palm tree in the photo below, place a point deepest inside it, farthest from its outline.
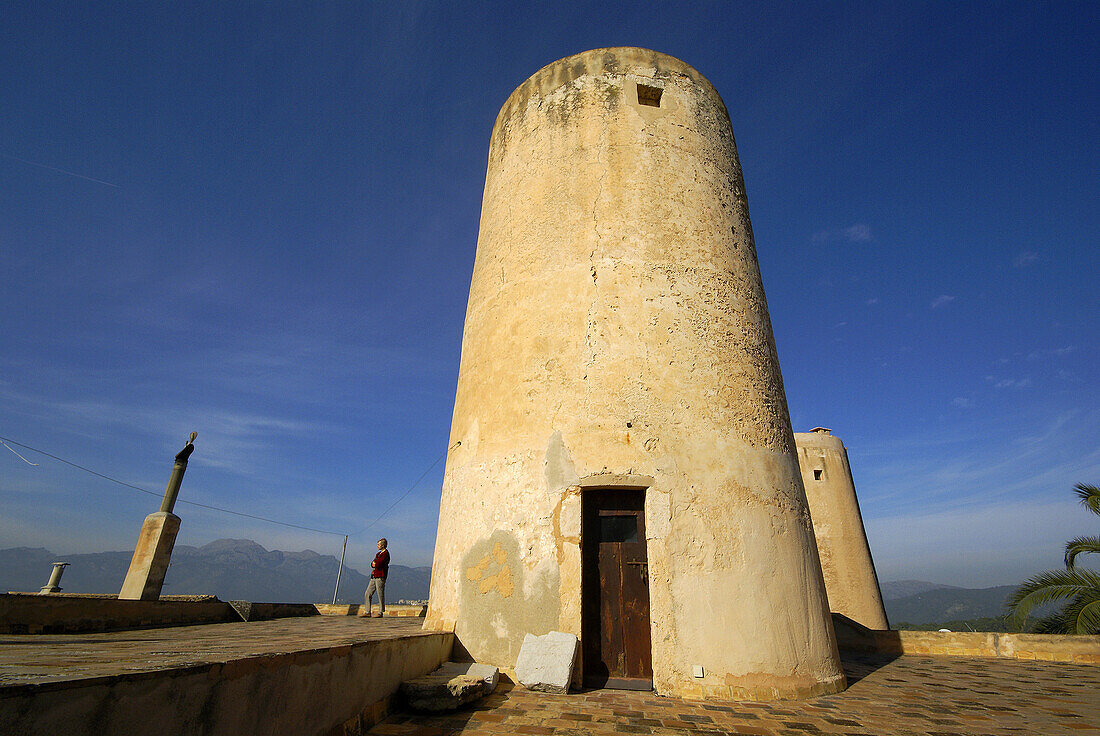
(1080, 586)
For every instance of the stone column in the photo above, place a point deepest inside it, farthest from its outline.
(153, 552)
(55, 579)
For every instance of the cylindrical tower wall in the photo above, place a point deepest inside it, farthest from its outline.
(617, 334)
(846, 562)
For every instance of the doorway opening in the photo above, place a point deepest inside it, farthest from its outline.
(616, 648)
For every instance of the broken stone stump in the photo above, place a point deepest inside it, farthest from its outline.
(152, 555)
(451, 686)
(489, 674)
(546, 662)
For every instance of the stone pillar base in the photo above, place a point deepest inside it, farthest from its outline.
(151, 557)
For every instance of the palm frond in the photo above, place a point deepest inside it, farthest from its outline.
(1056, 623)
(1088, 618)
(1080, 545)
(1089, 495)
(1049, 586)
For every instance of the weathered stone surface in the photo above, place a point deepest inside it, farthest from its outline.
(249, 611)
(65, 613)
(287, 676)
(447, 688)
(451, 686)
(488, 673)
(617, 336)
(546, 662)
(914, 696)
(153, 553)
(846, 563)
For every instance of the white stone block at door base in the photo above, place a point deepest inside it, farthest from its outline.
(546, 662)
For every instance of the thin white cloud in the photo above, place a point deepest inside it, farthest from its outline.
(1025, 258)
(238, 441)
(941, 300)
(968, 548)
(873, 301)
(855, 233)
(905, 474)
(858, 233)
(1009, 382)
(962, 402)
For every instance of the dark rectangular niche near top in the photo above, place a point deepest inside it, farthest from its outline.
(649, 95)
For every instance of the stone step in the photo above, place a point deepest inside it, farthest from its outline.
(450, 687)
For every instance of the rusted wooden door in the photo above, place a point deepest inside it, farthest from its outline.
(615, 585)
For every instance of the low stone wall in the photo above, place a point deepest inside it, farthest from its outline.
(28, 613)
(851, 636)
(352, 609)
(70, 613)
(336, 690)
(249, 611)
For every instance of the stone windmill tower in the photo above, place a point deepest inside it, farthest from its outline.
(626, 468)
(846, 563)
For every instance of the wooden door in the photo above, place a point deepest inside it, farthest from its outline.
(615, 586)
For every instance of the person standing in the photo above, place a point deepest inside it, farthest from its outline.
(380, 568)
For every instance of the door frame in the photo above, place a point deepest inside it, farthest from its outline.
(591, 486)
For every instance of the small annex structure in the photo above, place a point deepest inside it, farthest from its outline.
(622, 464)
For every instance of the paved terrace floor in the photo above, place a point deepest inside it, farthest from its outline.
(908, 696)
(45, 658)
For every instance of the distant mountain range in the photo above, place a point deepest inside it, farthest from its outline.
(921, 602)
(240, 569)
(232, 569)
(903, 588)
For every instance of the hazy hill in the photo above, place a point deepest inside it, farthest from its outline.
(240, 569)
(946, 604)
(903, 588)
(232, 569)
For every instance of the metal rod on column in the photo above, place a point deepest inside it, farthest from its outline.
(178, 469)
(341, 570)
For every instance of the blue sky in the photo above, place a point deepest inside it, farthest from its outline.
(258, 222)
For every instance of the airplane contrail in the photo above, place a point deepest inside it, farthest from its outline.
(62, 171)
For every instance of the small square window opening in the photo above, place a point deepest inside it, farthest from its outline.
(618, 529)
(649, 95)
(817, 474)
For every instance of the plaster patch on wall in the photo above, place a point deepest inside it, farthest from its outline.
(567, 520)
(658, 514)
(493, 573)
(560, 472)
(490, 589)
(499, 626)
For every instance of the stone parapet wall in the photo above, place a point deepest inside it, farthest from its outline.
(352, 609)
(314, 686)
(31, 613)
(1050, 648)
(366, 719)
(26, 613)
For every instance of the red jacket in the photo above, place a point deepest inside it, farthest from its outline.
(381, 564)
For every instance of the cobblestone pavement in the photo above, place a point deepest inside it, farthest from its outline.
(908, 696)
(36, 658)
